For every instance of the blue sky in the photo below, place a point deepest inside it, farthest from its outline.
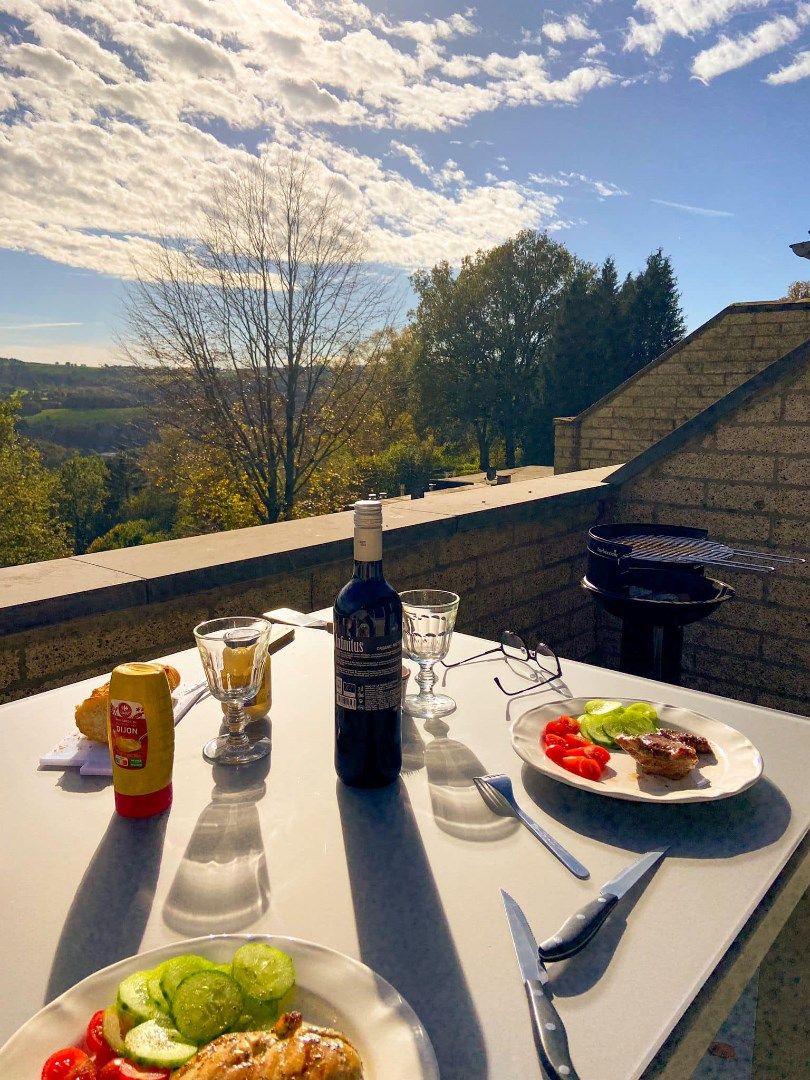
(619, 126)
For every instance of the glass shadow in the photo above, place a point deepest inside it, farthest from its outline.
(222, 884)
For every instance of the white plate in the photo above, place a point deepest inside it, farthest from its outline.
(736, 765)
(332, 990)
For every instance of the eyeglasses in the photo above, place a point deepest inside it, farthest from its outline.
(515, 648)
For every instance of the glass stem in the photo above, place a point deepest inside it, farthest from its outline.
(426, 678)
(236, 718)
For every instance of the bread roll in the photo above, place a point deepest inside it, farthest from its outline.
(91, 715)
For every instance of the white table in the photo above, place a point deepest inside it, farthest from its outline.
(406, 878)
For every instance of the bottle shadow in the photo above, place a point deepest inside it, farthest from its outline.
(456, 802)
(402, 927)
(110, 910)
(222, 884)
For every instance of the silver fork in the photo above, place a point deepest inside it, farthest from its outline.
(496, 791)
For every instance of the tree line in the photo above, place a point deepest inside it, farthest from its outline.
(280, 387)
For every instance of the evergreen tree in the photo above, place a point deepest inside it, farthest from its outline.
(83, 495)
(652, 313)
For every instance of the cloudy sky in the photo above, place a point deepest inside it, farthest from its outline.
(618, 126)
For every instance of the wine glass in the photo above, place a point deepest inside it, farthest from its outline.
(234, 652)
(428, 618)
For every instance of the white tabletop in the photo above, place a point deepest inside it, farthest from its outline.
(407, 878)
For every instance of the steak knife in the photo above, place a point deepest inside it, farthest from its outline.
(577, 931)
(550, 1037)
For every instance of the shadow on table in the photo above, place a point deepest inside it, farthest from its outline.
(708, 830)
(108, 916)
(457, 805)
(401, 925)
(221, 884)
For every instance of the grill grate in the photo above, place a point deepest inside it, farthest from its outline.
(657, 547)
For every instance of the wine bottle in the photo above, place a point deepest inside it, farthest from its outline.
(368, 662)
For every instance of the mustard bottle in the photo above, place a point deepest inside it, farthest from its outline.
(140, 733)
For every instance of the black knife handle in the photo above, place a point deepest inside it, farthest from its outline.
(577, 931)
(552, 1042)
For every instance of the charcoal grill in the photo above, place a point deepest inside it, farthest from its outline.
(652, 578)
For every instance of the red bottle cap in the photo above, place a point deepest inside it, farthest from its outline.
(140, 806)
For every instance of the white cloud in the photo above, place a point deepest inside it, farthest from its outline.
(38, 326)
(113, 110)
(681, 17)
(793, 72)
(603, 188)
(729, 54)
(701, 211)
(574, 27)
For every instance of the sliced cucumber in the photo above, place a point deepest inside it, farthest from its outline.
(629, 725)
(257, 1015)
(134, 999)
(643, 709)
(178, 968)
(262, 972)
(603, 708)
(156, 991)
(151, 1043)
(113, 1029)
(205, 1004)
(592, 706)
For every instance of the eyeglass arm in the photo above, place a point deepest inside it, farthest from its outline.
(467, 659)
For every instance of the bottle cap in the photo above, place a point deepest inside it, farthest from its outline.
(368, 514)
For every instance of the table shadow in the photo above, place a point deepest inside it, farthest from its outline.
(455, 800)
(108, 916)
(709, 830)
(402, 928)
(222, 884)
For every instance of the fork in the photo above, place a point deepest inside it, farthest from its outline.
(496, 791)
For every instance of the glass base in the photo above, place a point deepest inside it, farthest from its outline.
(221, 751)
(428, 706)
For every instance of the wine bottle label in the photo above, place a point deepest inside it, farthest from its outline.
(368, 672)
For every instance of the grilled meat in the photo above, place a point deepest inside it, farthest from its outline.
(687, 738)
(659, 755)
(291, 1051)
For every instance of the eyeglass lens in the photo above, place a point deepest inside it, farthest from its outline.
(514, 646)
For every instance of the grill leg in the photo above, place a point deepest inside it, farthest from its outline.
(653, 652)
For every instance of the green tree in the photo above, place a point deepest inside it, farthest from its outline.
(454, 379)
(30, 527)
(127, 534)
(798, 290)
(83, 496)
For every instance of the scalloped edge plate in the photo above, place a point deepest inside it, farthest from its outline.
(738, 763)
(332, 990)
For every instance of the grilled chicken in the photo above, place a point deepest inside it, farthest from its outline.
(659, 755)
(687, 738)
(291, 1051)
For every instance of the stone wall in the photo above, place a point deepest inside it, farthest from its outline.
(746, 479)
(719, 356)
(515, 554)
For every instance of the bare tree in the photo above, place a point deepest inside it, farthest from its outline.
(262, 335)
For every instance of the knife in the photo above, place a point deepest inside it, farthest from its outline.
(577, 931)
(549, 1033)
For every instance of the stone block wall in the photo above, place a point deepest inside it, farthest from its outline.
(515, 555)
(747, 480)
(722, 354)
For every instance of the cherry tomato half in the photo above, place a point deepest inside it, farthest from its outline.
(582, 766)
(554, 727)
(575, 741)
(554, 740)
(557, 752)
(70, 1063)
(95, 1042)
(123, 1069)
(598, 753)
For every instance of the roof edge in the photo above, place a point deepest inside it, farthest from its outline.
(741, 307)
(709, 416)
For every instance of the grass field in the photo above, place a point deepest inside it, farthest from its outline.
(99, 430)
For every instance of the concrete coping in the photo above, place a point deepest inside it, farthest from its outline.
(44, 593)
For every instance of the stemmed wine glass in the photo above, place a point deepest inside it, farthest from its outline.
(428, 618)
(234, 652)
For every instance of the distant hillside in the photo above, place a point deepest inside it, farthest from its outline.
(72, 386)
(79, 407)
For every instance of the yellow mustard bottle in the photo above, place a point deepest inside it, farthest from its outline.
(140, 733)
